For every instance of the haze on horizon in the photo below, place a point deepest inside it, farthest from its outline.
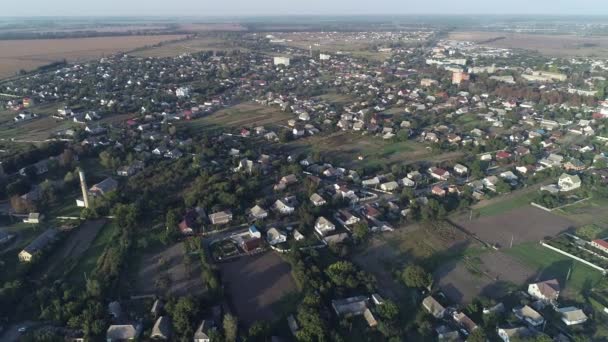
(207, 8)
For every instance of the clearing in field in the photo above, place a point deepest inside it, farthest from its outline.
(524, 224)
(246, 114)
(551, 45)
(168, 272)
(345, 149)
(256, 285)
(592, 211)
(188, 46)
(33, 53)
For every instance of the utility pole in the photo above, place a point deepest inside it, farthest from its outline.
(512, 237)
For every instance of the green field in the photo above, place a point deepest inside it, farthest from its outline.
(88, 260)
(592, 211)
(554, 265)
(345, 148)
(247, 114)
(502, 206)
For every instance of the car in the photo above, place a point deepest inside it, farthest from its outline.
(22, 329)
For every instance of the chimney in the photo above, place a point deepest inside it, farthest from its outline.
(83, 187)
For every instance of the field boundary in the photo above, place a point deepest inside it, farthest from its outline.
(590, 264)
(539, 206)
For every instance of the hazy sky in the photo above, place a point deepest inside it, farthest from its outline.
(284, 7)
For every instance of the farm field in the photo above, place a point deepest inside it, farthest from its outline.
(68, 252)
(524, 224)
(167, 272)
(246, 114)
(345, 149)
(256, 285)
(550, 45)
(30, 54)
(550, 264)
(360, 49)
(192, 45)
(88, 260)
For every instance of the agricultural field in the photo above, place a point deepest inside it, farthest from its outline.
(524, 224)
(359, 49)
(257, 285)
(69, 251)
(247, 114)
(346, 148)
(88, 260)
(167, 271)
(31, 54)
(187, 46)
(549, 45)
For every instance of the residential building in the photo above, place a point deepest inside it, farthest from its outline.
(600, 244)
(529, 315)
(38, 245)
(514, 334)
(323, 226)
(258, 213)
(572, 315)
(275, 237)
(547, 291)
(221, 217)
(568, 182)
(202, 332)
(124, 332)
(433, 307)
(317, 200)
(161, 329)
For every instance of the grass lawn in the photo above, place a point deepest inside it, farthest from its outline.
(551, 264)
(88, 261)
(591, 211)
(508, 204)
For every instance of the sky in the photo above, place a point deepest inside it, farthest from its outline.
(204, 8)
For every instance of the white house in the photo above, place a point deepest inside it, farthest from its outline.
(461, 169)
(275, 237)
(389, 186)
(547, 291)
(323, 226)
(283, 208)
(281, 61)
(258, 213)
(568, 182)
(572, 315)
(407, 182)
(317, 200)
(529, 315)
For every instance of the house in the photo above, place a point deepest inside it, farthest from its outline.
(251, 245)
(275, 237)
(202, 332)
(254, 232)
(568, 182)
(547, 291)
(335, 239)
(283, 208)
(105, 186)
(317, 200)
(600, 244)
(447, 334)
(433, 307)
(514, 334)
(33, 218)
(407, 182)
(529, 315)
(130, 170)
(372, 182)
(464, 321)
(125, 332)
(323, 226)
(389, 186)
(438, 191)
(572, 315)
(370, 212)
(461, 169)
(297, 235)
(161, 329)
(439, 174)
(221, 217)
(258, 213)
(349, 307)
(188, 223)
(574, 165)
(346, 217)
(38, 245)
(503, 155)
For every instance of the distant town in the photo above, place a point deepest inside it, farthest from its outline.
(242, 183)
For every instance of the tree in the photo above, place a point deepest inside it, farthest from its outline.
(478, 335)
(416, 277)
(230, 328)
(361, 230)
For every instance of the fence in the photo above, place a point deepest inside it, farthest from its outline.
(590, 264)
